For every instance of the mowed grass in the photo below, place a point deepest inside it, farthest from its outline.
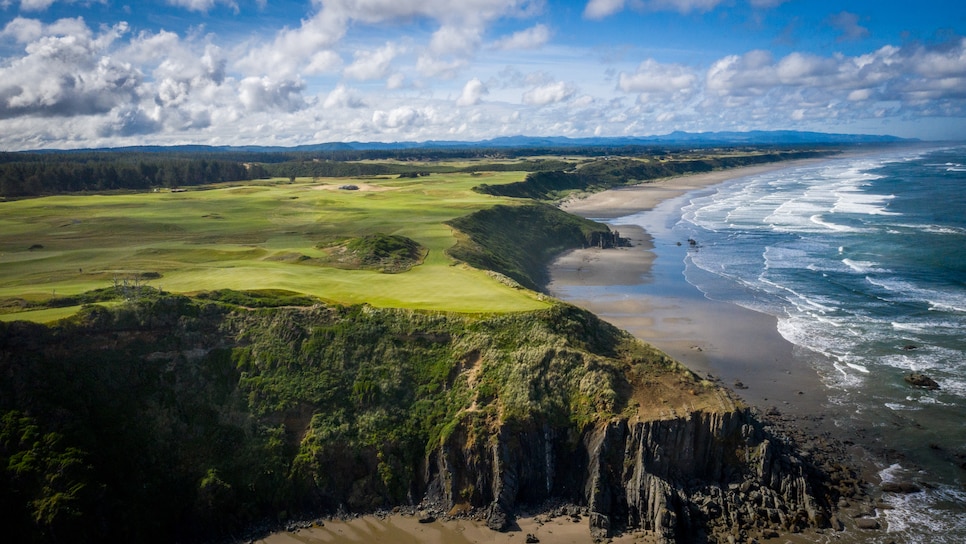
(252, 237)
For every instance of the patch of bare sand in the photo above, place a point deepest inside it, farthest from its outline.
(362, 187)
(615, 266)
(401, 528)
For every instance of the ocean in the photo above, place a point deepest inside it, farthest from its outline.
(862, 260)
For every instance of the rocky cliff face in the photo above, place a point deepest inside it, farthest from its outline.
(192, 419)
(699, 477)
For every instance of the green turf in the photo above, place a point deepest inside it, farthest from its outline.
(258, 236)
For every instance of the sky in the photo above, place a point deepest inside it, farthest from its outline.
(108, 73)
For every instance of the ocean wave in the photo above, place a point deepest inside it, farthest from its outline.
(897, 407)
(929, 228)
(818, 219)
(863, 267)
(932, 514)
(946, 300)
(861, 203)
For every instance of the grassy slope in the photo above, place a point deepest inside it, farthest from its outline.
(233, 237)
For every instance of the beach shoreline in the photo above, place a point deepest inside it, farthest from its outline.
(739, 348)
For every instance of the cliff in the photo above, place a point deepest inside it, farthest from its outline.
(697, 477)
(177, 419)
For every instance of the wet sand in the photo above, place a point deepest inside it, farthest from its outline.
(739, 347)
(402, 528)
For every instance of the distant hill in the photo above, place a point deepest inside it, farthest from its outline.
(677, 138)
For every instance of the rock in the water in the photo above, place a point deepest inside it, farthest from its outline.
(900, 487)
(428, 518)
(532, 539)
(866, 523)
(921, 380)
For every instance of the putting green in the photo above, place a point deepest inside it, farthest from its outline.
(263, 235)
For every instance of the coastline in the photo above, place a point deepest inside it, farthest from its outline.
(740, 348)
(727, 343)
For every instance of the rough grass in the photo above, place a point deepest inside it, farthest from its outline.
(387, 253)
(238, 237)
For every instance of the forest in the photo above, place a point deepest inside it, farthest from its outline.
(139, 169)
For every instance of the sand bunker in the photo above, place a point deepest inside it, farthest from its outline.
(358, 187)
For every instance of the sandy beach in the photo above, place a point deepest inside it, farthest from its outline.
(403, 528)
(741, 348)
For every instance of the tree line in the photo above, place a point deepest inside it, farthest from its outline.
(47, 173)
(43, 174)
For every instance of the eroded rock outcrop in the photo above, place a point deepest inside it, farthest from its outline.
(696, 477)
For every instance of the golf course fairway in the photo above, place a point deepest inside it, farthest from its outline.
(268, 234)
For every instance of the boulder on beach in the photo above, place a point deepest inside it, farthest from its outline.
(921, 380)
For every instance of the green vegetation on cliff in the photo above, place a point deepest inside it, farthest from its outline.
(203, 416)
(519, 241)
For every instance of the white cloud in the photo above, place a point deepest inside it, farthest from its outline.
(397, 118)
(531, 38)
(455, 40)
(848, 24)
(202, 6)
(682, 6)
(472, 93)
(293, 48)
(373, 64)
(35, 5)
(599, 9)
(461, 26)
(654, 77)
(342, 97)
(395, 81)
(431, 66)
(550, 93)
(23, 30)
(324, 61)
(264, 94)
(750, 74)
(65, 72)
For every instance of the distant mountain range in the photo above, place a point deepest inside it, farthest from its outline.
(677, 138)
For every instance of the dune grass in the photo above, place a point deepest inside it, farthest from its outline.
(263, 235)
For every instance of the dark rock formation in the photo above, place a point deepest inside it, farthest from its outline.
(681, 479)
(921, 380)
(900, 487)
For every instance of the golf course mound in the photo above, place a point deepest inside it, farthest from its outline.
(386, 253)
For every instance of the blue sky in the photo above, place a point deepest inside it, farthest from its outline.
(92, 73)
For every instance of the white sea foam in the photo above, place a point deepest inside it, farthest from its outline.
(946, 300)
(910, 327)
(819, 219)
(856, 202)
(933, 512)
(862, 267)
